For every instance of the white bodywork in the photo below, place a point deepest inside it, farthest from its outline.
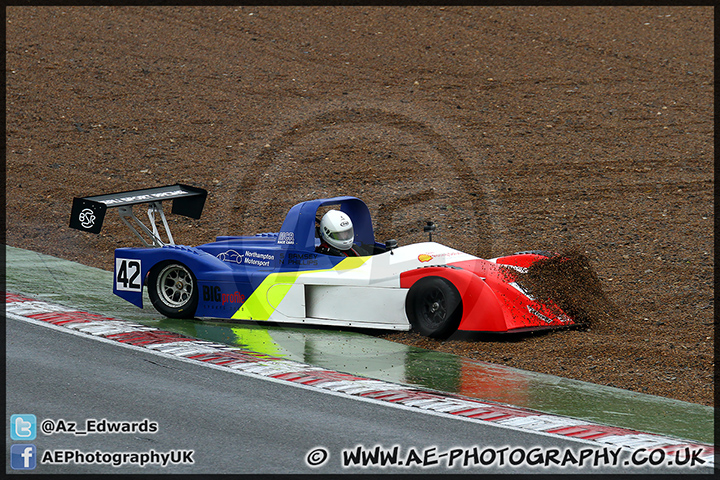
(360, 291)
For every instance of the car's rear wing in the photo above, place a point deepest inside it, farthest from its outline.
(88, 213)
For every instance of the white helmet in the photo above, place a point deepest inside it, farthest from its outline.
(336, 229)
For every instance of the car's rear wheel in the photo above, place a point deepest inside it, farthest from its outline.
(434, 307)
(173, 290)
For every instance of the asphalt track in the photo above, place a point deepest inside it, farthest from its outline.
(234, 423)
(67, 283)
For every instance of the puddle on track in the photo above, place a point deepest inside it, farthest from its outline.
(70, 284)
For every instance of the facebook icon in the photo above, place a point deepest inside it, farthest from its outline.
(22, 457)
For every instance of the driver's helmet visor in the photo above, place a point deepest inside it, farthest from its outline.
(343, 235)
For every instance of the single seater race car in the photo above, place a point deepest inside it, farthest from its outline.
(280, 277)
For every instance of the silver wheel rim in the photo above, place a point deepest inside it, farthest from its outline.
(175, 286)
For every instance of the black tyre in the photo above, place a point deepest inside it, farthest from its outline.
(434, 307)
(173, 290)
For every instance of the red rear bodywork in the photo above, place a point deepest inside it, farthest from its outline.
(491, 303)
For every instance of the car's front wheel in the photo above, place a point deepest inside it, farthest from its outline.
(173, 290)
(434, 307)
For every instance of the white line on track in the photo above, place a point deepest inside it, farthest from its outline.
(293, 384)
(179, 347)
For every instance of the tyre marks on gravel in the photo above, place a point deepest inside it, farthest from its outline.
(405, 169)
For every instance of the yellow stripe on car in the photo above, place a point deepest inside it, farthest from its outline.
(259, 306)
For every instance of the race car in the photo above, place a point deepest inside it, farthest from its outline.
(286, 276)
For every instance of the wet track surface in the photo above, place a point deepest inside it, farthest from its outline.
(238, 423)
(361, 354)
(229, 423)
(511, 127)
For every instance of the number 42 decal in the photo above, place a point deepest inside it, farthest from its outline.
(127, 275)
